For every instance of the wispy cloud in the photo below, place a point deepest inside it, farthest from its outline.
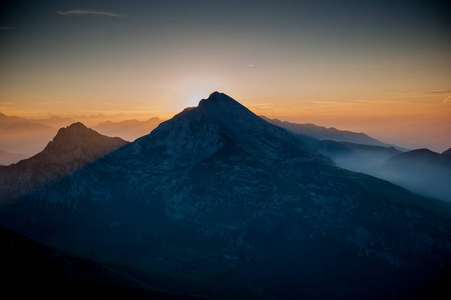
(6, 28)
(78, 12)
(447, 100)
(423, 92)
(438, 92)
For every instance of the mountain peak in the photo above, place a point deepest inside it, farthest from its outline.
(216, 98)
(218, 124)
(77, 141)
(73, 133)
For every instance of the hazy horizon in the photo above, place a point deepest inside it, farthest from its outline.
(382, 68)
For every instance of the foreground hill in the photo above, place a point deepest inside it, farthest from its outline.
(29, 267)
(72, 148)
(222, 196)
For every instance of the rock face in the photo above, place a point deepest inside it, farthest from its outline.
(218, 190)
(71, 149)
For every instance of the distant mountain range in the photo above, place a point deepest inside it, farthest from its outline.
(27, 137)
(7, 158)
(246, 208)
(323, 133)
(20, 135)
(129, 130)
(422, 171)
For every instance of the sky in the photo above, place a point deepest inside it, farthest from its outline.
(381, 67)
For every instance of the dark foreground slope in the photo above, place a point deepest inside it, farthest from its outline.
(29, 268)
(220, 195)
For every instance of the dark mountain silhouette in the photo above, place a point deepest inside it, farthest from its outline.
(7, 158)
(220, 195)
(129, 130)
(29, 267)
(72, 148)
(422, 171)
(323, 133)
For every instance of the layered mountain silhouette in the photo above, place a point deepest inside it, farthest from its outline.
(7, 158)
(220, 195)
(130, 129)
(323, 133)
(356, 157)
(72, 148)
(19, 135)
(422, 171)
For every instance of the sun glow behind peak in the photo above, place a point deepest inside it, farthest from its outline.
(196, 94)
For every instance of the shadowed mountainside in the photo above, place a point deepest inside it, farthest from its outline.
(28, 266)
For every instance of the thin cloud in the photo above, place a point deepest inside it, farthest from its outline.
(79, 12)
(447, 100)
(423, 92)
(438, 92)
(6, 28)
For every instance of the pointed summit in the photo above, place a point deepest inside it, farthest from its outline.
(220, 101)
(78, 142)
(220, 122)
(217, 97)
(72, 148)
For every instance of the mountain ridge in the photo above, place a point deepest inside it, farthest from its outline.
(331, 133)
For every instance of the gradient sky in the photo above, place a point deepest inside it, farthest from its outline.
(382, 67)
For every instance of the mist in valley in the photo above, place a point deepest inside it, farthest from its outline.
(421, 171)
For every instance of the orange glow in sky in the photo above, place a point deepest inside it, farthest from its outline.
(386, 72)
